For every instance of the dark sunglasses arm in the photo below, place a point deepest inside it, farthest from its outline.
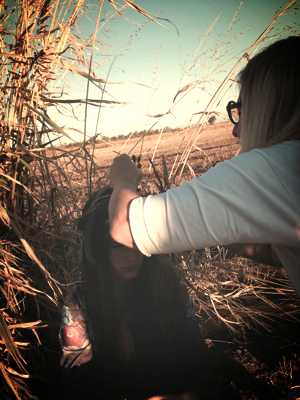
(232, 105)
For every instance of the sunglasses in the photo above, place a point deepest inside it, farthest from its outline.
(234, 111)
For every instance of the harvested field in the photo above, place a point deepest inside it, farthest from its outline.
(214, 139)
(251, 325)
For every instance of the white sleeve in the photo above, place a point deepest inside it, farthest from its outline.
(238, 201)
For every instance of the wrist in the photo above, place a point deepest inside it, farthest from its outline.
(127, 184)
(119, 204)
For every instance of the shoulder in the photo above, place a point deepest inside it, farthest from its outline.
(274, 169)
(277, 160)
(286, 153)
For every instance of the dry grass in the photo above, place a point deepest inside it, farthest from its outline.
(43, 189)
(39, 245)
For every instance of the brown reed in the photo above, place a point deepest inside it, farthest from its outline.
(43, 189)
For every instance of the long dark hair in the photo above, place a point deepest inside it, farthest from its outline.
(154, 297)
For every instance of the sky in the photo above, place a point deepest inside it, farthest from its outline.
(159, 61)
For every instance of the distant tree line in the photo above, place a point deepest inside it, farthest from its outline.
(103, 138)
(141, 133)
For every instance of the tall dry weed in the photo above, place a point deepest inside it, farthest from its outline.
(44, 187)
(39, 245)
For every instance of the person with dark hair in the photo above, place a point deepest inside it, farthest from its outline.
(250, 204)
(128, 327)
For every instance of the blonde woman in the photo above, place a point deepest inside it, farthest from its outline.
(250, 203)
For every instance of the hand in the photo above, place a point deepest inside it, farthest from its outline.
(124, 176)
(123, 171)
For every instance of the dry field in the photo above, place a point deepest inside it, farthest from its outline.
(215, 144)
(247, 312)
(216, 140)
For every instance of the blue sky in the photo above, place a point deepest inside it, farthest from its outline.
(164, 61)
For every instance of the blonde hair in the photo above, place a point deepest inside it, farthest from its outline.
(270, 96)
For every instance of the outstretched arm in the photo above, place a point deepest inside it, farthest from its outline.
(124, 176)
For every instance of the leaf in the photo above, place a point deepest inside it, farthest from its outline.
(49, 121)
(17, 182)
(207, 112)
(18, 343)
(4, 184)
(10, 344)
(158, 115)
(4, 217)
(30, 169)
(88, 101)
(12, 371)
(191, 170)
(30, 252)
(9, 381)
(186, 88)
(25, 325)
(12, 55)
(98, 80)
(147, 14)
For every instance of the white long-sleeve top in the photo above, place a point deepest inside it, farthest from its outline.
(253, 198)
